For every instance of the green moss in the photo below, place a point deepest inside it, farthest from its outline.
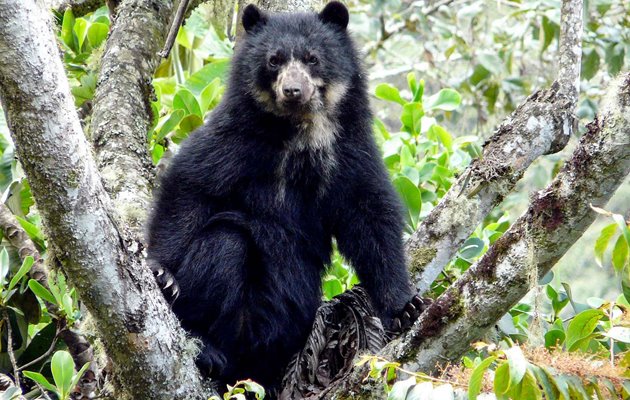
(419, 258)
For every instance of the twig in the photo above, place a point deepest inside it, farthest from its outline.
(172, 33)
(16, 371)
(46, 354)
(42, 390)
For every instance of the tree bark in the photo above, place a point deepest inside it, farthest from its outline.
(151, 357)
(541, 125)
(555, 219)
(122, 112)
(79, 7)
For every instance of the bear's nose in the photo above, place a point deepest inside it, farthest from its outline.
(292, 92)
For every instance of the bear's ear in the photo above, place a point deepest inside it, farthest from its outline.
(335, 13)
(252, 17)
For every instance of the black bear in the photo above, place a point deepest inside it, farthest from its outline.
(247, 210)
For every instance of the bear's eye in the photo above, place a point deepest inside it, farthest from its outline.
(274, 61)
(312, 60)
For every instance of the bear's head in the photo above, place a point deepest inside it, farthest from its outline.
(296, 64)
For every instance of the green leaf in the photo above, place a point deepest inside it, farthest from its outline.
(97, 33)
(476, 379)
(411, 197)
(33, 231)
(560, 382)
(445, 99)
(553, 338)
(387, 92)
(170, 124)
(518, 365)
(39, 378)
(76, 377)
(41, 292)
(621, 222)
(210, 95)
(62, 368)
(80, 29)
(26, 266)
(67, 26)
(492, 63)
(4, 265)
(528, 388)
(185, 100)
(471, 248)
(602, 242)
(198, 81)
(550, 30)
(590, 63)
(332, 287)
(625, 282)
(502, 379)
(411, 118)
(615, 55)
(417, 88)
(620, 254)
(11, 394)
(549, 389)
(401, 388)
(619, 333)
(186, 125)
(576, 388)
(582, 326)
(442, 134)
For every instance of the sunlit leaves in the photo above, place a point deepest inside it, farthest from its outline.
(581, 327)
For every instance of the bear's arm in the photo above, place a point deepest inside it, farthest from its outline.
(194, 188)
(367, 224)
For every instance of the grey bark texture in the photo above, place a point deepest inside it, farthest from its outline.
(79, 7)
(541, 125)
(122, 112)
(152, 359)
(555, 219)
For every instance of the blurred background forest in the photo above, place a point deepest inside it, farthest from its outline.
(443, 74)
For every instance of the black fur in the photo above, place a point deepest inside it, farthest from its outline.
(249, 265)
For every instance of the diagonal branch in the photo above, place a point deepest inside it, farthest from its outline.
(555, 219)
(150, 354)
(541, 125)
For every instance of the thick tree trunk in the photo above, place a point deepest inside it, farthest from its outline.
(541, 125)
(556, 218)
(151, 357)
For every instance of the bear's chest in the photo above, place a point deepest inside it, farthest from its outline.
(308, 161)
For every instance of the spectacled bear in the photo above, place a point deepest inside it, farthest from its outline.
(245, 216)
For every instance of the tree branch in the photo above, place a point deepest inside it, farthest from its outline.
(122, 112)
(555, 219)
(150, 353)
(541, 125)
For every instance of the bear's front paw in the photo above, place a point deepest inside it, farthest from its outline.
(409, 314)
(166, 282)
